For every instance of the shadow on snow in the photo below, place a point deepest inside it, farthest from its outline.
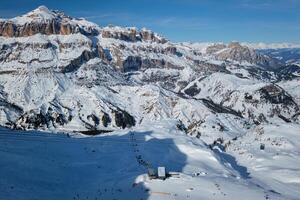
(46, 166)
(227, 159)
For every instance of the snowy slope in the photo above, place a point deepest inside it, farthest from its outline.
(278, 164)
(108, 167)
(62, 74)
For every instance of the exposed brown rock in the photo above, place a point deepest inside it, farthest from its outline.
(276, 95)
(128, 35)
(171, 50)
(132, 63)
(131, 35)
(215, 48)
(148, 35)
(76, 63)
(9, 29)
(104, 54)
(235, 51)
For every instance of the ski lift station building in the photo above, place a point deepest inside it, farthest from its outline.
(161, 172)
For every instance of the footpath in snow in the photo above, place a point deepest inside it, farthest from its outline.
(37, 165)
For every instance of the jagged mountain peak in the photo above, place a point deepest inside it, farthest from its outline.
(41, 11)
(218, 47)
(52, 22)
(234, 44)
(63, 74)
(47, 22)
(240, 53)
(41, 14)
(61, 46)
(132, 34)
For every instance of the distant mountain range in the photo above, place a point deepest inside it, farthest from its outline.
(229, 109)
(59, 72)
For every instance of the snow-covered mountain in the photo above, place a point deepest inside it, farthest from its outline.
(66, 73)
(44, 21)
(263, 46)
(59, 73)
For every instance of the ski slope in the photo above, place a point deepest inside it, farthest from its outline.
(39, 165)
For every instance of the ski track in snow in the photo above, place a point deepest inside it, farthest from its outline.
(247, 127)
(114, 166)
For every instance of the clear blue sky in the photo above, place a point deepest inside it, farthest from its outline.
(184, 20)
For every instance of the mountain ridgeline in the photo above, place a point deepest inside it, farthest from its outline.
(64, 73)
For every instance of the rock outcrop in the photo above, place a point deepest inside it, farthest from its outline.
(44, 21)
(234, 51)
(276, 95)
(131, 34)
(61, 72)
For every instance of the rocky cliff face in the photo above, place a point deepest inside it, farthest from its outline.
(43, 21)
(40, 52)
(236, 52)
(58, 72)
(240, 113)
(132, 34)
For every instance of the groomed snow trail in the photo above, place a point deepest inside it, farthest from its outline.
(54, 166)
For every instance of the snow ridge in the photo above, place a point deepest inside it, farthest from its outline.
(223, 116)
